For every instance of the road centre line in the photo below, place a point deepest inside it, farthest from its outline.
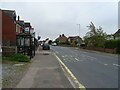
(80, 86)
(106, 64)
(116, 65)
(76, 59)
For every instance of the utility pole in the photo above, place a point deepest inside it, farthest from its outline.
(79, 29)
(79, 34)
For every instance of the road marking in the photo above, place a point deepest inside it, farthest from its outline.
(116, 65)
(76, 59)
(106, 64)
(80, 86)
(63, 56)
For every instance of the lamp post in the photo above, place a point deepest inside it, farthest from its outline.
(79, 34)
(79, 29)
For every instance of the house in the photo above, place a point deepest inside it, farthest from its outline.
(0, 28)
(110, 37)
(19, 26)
(117, 34)
(27, 27)
(16, 33)
(62, 39)
(75, 40)
(8, 27)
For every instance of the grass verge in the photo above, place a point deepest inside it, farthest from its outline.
(17, 57)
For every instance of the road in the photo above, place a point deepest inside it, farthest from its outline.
(92, 69)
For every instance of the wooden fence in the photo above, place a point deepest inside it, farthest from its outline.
(8, 50)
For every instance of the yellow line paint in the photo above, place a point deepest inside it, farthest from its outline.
(80, 86)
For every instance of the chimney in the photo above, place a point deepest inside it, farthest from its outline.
(63, 35)
(18, 18)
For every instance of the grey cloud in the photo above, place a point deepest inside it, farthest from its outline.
(53, 18)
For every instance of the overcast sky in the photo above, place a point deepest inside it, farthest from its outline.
(50, 19)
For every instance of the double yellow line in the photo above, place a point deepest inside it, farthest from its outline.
(78, 84)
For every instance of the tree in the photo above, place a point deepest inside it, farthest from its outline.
(95, 37)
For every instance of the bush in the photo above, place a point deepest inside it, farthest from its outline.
(113, 44)
(20, 58)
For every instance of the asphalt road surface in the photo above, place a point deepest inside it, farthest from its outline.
(92, 69)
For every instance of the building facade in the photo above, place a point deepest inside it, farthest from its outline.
(8, 28)
(75, 40)
(62, 39)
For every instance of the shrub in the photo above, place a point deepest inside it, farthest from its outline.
(20, 58)
(113, 44)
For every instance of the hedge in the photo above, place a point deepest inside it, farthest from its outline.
(113, 44)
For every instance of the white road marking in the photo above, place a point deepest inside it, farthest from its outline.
(106, 64)
(63, 56)
(116, 65)
(76, 59)
(80, 86)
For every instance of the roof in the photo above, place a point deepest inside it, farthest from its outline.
(73, 37)
(27, 24)
(21, 23)
(10, 13)
(118, 32)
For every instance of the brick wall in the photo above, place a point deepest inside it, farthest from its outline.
(0, 27)
(102, 49)
(8, 30)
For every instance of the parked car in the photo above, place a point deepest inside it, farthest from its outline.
(46, 46)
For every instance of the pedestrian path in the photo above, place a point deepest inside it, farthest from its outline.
(44, 72)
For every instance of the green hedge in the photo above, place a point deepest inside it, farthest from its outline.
(113, 44)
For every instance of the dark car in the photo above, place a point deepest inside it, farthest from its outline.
(46, 46)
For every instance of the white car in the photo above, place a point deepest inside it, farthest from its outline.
(54, 44)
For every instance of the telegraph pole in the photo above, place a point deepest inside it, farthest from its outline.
(79, 34)
(79, 29)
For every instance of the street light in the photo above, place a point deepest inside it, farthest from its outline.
(79, 34)
(79, 29)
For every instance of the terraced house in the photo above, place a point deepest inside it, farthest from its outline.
(8, 27)
(11, 29)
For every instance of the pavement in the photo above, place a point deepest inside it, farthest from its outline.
(44, 72)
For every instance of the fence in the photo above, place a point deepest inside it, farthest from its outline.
(8, 50)
(102, 49)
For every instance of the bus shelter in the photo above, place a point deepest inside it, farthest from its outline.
(26, 44)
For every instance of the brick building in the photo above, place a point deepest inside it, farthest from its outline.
(62, 39)
(8, 27)
(75, 40)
